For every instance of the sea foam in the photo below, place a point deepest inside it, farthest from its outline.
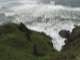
(47, 18)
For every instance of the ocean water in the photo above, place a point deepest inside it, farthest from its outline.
(48, 16)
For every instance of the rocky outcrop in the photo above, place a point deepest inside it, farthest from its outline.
(65, 34)
(73, 39)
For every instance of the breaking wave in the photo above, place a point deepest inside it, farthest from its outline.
(47, 18)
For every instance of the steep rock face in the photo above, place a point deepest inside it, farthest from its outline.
(71, 36)
(74, 37)
(71, 50)
(72, 47)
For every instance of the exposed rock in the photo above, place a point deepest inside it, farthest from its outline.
(73, 42)
(64, 33)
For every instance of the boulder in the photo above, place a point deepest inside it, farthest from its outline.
(64, 33)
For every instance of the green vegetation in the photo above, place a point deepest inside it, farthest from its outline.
(19, 43)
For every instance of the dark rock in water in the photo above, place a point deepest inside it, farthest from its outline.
(74, 35)
(64, 33)
(73, 43)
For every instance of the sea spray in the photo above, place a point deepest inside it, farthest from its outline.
(47, 18)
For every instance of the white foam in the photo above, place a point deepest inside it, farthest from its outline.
(47, 10)
(31, 10)
(53, 31)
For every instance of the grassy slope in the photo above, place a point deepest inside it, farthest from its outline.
(19, 43)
